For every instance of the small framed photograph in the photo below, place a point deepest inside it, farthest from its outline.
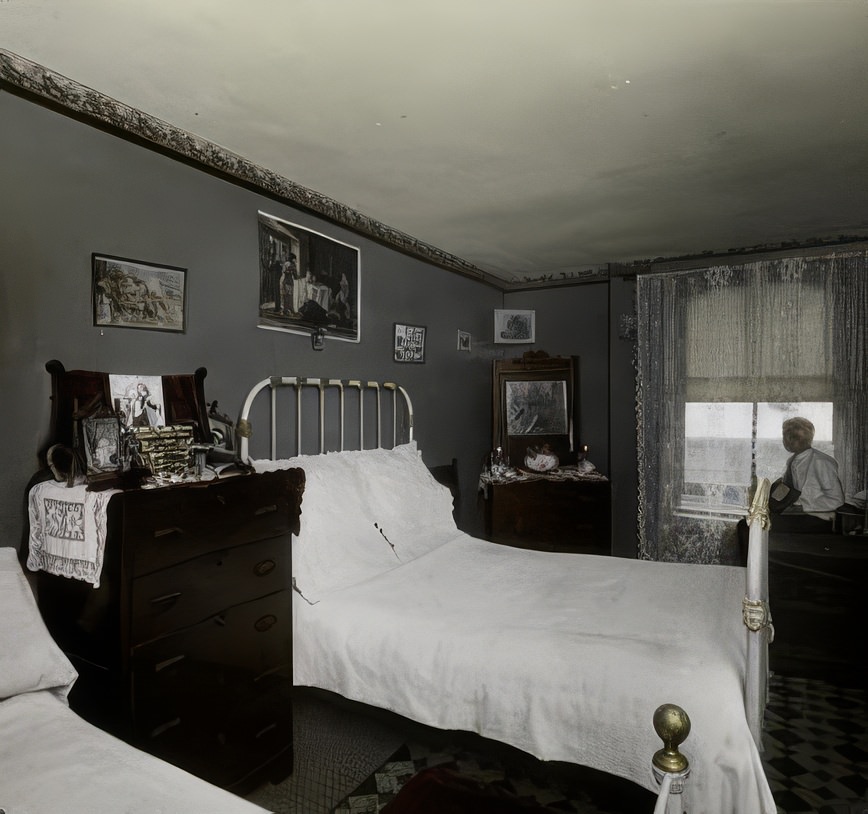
(131, 294)
(409, 343)
(463, 341)
(514, 327)
(102, 446)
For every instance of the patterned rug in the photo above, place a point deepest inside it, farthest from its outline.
(507, 780)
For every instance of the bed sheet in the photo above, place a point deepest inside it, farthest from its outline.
(54, 761)
(563, 656)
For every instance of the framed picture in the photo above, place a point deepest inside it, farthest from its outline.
(536, 402)
(131, 294)
(307, 282)
(102, 446)
(536, 407)
(463, 340)
(138, 400)
(409, 343)
(514, 327)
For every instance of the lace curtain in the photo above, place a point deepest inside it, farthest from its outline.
(778, 331)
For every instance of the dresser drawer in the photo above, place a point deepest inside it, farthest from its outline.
(240, 645)
(163, 527)
(224, 745)
(167, 600)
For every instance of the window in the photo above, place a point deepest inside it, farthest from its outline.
(726, 443)
(724, 354)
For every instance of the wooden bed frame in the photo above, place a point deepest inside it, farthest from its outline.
(391, 421)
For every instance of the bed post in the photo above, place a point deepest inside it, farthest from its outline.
(670, 767)
(756, 613)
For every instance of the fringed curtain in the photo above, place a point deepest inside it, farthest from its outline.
(783, 330)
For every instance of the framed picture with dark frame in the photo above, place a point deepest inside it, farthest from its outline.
(134, 294)
(409, 343)
(101, 438)
(308, 283)
(535, 402)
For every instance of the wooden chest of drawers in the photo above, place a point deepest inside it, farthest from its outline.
(185, 650)
(550, 515)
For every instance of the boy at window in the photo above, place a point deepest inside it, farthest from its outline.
(812, 489)
(814, 475)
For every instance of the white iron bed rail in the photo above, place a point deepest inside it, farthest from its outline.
(299, 383)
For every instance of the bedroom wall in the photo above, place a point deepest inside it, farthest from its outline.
(584, 321)
(70, 190)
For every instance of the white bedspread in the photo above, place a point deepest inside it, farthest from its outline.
(564, 656)
(53, 761)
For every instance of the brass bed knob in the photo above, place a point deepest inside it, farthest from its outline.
(672, 725)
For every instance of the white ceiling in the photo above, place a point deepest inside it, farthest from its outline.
(532, 138)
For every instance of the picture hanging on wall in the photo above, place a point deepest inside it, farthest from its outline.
(409, 343)
(514, 327)
(463, 341)
(307, 282)
(131, 294)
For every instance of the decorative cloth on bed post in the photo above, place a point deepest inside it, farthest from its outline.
(756, 613)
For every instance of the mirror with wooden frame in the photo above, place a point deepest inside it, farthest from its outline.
(535, 402)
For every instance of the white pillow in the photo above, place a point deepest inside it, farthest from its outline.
(364, 512)
(30, 659)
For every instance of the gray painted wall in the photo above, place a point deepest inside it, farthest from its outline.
(584, 321)
(70, 190)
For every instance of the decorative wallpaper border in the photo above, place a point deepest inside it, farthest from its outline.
(94, 108)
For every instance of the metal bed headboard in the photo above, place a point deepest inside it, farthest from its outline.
(299, 383)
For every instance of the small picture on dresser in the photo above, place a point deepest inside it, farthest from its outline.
(102, 446)
(138, 400)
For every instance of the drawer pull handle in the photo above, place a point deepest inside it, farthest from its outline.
(155, 733)
(166, 532)
(265, 730)
(161, 600)
(266, 622)
(265, 567)
(266, 509)
(220, 619)
(162, 665)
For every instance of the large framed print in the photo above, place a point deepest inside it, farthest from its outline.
(308, 282)
(133, 294)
